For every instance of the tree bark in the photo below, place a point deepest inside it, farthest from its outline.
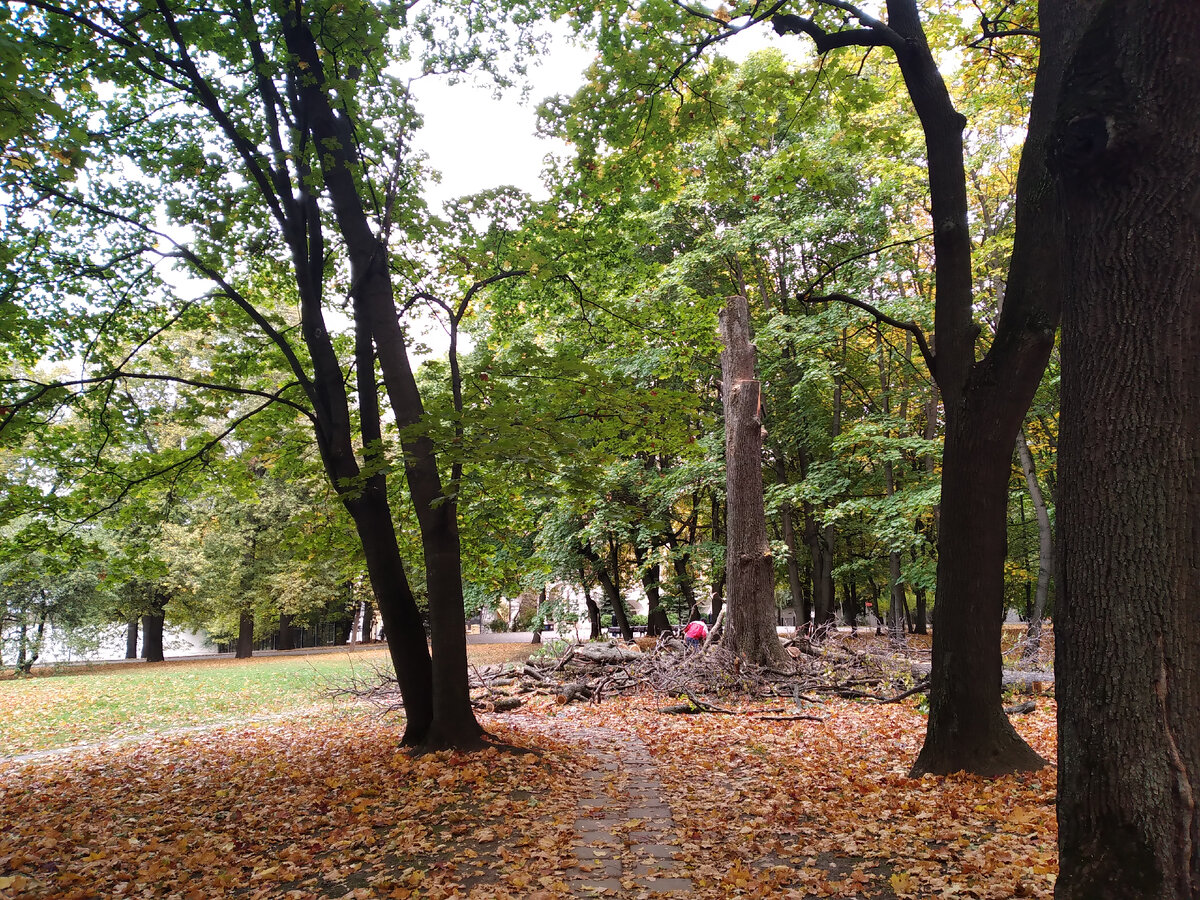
(453, 725)
(1127, 636)
(592, 607)
(245, 638)
(1045, 549)
(750, 620)
(287, 635)
(152, 637)
(131, 639)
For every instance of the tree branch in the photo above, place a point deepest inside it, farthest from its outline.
(912, 327)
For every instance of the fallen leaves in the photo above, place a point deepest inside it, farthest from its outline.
(327, 807)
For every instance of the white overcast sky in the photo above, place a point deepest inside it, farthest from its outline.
(479, 141)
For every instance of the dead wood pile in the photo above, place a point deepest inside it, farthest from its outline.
(691, 681)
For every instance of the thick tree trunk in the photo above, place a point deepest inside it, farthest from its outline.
(131, 639)
(967, 727)
(287, 635)
(152, 637)
(1033, 638)
(368, 622)
(245, 638)
(1127, 636)
(750, 620)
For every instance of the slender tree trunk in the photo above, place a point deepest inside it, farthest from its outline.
(245, 638)
(750, 621)
(718, 581)
(850, 605)
(131, 639)
(1127, 637)
(593, 609)
(453, 725)
(1045, 549)
(609, 584)
(368, 622)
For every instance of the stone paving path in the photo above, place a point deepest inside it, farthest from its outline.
(625, 835)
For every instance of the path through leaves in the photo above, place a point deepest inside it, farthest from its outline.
(620, 801)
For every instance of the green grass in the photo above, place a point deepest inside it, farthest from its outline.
(123, 701)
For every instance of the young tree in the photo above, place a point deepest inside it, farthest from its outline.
(1127, 145)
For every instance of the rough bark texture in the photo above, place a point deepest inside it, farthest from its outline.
(750, 577)
(1126, 630)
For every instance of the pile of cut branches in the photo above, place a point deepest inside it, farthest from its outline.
(699, 681)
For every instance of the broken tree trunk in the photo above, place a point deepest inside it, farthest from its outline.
(750, 577)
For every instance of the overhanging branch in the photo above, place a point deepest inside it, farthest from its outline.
(911, 327)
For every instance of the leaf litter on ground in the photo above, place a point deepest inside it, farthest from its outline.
(326, 806)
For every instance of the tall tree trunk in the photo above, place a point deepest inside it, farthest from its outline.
(750, 630)
(1045, 549)
(287, 635)
(718, 578)
(656, 617)
(609, 583)
(131, 639)
(1127, 636)
(245, 638)
(453, 724)
(850, 605)
(368, 622)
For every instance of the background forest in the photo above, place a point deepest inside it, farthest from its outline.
(155, 442)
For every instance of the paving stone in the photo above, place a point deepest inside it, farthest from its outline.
(668, 884)
(599, 885)
(658, 851)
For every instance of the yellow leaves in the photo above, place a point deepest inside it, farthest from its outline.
(903, 883)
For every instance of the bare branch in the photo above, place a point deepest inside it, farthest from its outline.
(912, 327)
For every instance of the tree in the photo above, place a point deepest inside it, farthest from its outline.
(985, 399)
(1127, 660)
(750, 575)
(276, 140)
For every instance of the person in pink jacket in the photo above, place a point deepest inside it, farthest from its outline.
(695, 634)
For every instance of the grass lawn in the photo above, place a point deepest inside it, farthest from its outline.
(101, 702)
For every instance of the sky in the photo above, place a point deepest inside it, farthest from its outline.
(479, 141)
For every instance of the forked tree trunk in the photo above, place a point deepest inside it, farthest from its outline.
(750, 577)
(1127, 635)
